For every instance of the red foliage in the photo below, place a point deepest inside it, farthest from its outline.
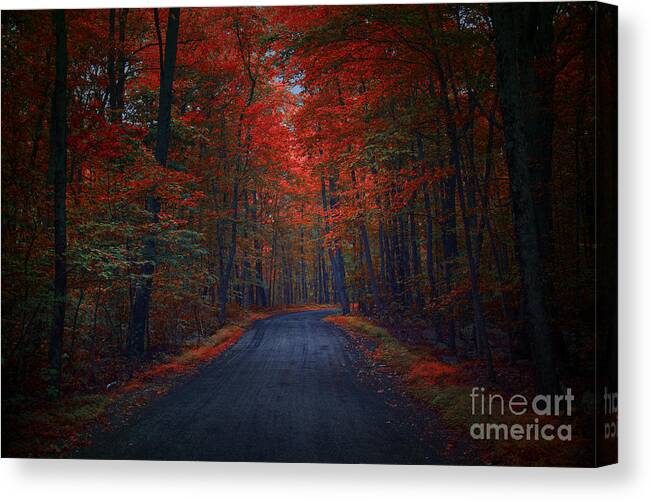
(433, 373)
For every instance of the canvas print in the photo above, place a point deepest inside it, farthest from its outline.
(329, 234)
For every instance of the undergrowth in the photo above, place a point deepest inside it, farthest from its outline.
(57, 428)
(445, 387)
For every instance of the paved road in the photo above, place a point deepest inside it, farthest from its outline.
(289, 390)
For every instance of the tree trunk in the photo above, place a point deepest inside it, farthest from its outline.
(58, 159)
(110, 67)
(152, 204)
(429, 223)
(415, 255)
(366, 252)
(404, 260)
(247, 285)
(225, 278)
(121, 64)
(116, 66)
(224, 282)
(390, 264)
(336, 256)
(478, 310)
(511, 37)
(260, 295)
(325, 277)
(538, 79)
(398, 263)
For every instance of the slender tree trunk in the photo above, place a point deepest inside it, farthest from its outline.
(383, 271)
(116, 65)
(303, 282)
(415, 255)
(452, 182)
(449, 238)
(247, 285)
(92, 349)
(448, 219)
(391, 267)
(336, 256)
(110, 67)
(325, 277)
(224, 283)
(318, 296)
(404, 260)
(272, 270)
(166, 87)
(398, 263)
(486, 222)
(429, 228)
(468, 218)
(370, 271)
(121, 64)
(261, 295)
(429, 224)
(58, 160)
(366, 252)
(478, 309)
(73, 333)
(152, 204)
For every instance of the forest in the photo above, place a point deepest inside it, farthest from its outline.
(427, 167)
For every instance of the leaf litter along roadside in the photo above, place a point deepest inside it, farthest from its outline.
(56, 429)
(442, 385)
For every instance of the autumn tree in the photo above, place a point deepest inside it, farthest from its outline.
(58, 166)
(515, 63)
(152, 205)
(427, 166)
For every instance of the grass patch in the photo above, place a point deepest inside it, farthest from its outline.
(445, 387)
(192, 358)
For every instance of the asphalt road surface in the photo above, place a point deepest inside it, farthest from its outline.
(292, 389)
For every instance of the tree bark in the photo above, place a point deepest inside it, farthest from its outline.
(260, 295)
(121, 64)
(224, 282)
(110, 67)
(225, 278)
(325, 276)
(415, 255)
(58, 161)
(152, 204)
(368, 260)
(429, 225)
(336, 256)
(511, 36)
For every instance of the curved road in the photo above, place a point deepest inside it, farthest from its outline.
(292, 389)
